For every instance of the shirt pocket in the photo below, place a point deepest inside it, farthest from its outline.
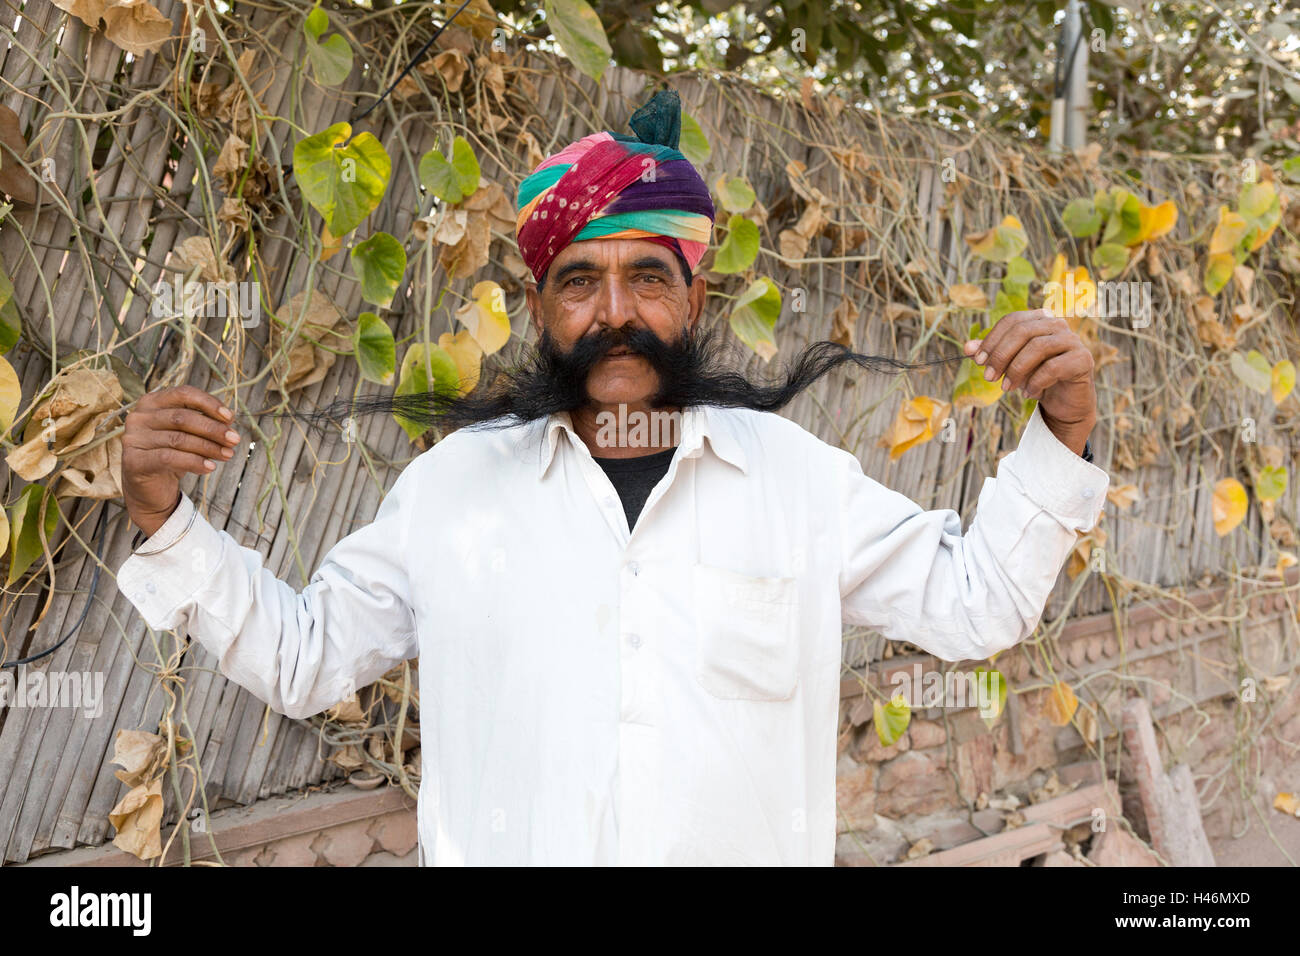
(747, 634)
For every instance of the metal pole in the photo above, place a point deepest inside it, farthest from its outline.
(1077, 102)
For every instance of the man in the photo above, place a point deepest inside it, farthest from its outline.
(629, 650)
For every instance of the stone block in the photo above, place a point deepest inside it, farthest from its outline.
(347, 845)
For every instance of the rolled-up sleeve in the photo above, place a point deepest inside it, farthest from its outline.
(300, 652)
(914, 576)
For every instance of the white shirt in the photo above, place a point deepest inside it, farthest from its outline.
(590, 696)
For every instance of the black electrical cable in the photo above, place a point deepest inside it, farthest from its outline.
(94, 582)
(419, 55)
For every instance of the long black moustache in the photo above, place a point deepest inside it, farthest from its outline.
(692, 371)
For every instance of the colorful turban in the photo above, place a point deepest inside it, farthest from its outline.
(613, 186)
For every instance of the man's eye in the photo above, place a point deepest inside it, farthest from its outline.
(576, 279)
(651, 276)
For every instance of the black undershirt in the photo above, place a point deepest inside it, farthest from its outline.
(635, 478)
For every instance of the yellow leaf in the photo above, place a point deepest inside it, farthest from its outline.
(1230, 503)
(1069, 293)
(1285, 559)
(1283, 381)
(1227, 233)
(11, 394)
(1000, 244)
(891, 719)
(467, 356)
(1287, 803)
(1061, 703)
(1156, 221)
(917, 422)
(966, 296)
(485, 317)
(329, 242)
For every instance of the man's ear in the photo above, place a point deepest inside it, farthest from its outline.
(534, 305)
(695, 300)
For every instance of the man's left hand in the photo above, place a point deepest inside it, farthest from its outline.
(1037, 353)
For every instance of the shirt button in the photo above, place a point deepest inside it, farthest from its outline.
(1087, 492)
(635, 640)
(150, 587)
(609, 502)
(634, 568)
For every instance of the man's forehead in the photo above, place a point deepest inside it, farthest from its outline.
(613, 253)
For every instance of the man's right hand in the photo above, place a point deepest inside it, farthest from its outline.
(169, 432)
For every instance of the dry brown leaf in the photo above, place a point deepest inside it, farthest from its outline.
(967, 296)
(235, 212)
(138, 820)
(1215, 334)
(15, 180)
(406, 88)
(806, 88)
(1081, 555)
(450, 65)
(1155, 264)
(96, 473)
(844, 322)
(306, 363)
(491, 199)
(922, 847)
(898, 310)
(77, 401)
(471, 253)
(90, 12)
(198, 251)
(136, 26)
(1123, 496)
(349, 757)
(797, 173)
(142, 754)
(231, 162)
(1245, 278)
(347, 710)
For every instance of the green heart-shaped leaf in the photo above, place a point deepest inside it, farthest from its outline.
(373, 345)
(1110, 258)
(451, 180)
(753, 317)
(735, 193)
(739, 249)
(380, 262)
(425, 368)
(580, 34)
(1081, 218)
(331, 59)
(1253, 370)
(1270, 483)
(343, 183)
(693, 144)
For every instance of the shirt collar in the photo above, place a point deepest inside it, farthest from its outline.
(698, 423)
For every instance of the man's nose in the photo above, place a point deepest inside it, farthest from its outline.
(615, 304)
